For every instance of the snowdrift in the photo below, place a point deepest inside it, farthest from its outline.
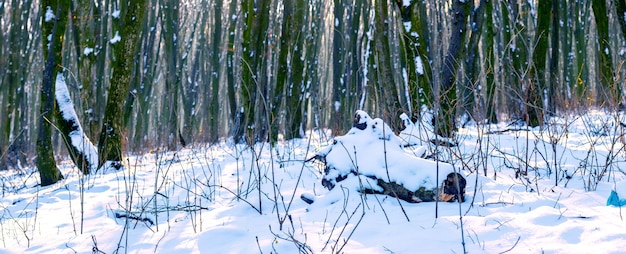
(371, 152)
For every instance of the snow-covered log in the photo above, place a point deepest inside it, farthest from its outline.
(82, 151)
(374, 154)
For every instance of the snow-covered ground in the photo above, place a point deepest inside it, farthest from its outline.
(235, 199)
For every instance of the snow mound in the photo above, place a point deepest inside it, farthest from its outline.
(371, 149)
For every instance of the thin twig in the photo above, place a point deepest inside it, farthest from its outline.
(512, 247)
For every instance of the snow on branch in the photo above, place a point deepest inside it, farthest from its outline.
(82, 151)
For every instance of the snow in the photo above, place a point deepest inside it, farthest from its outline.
(620, 188)
(407, 26)
(78, 138)
(116, 13)
(49, 15)
(116, 38)
(419, 133)
(419, 65)
(185, 202)
(376, 151)
(407, 95)
(87, 51)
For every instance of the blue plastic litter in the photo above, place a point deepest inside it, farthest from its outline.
(614, 200)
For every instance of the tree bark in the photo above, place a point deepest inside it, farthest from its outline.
(128, 27)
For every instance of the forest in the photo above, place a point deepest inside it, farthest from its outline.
(144, 75)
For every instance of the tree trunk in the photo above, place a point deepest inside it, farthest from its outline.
(390, 107)
(4, 130)
(339, 58)
(231, 76)
(9, 80)
(415, 41)
(473, 63)
(216, 55)
(256, 14)
(284, 67)
(609, 91)
(313, 62)
(567, 57)
(516, 60)
(170, 33)
(539, 83)
(620, 7)
(295, 90)
(128, 26)
(489, 104)
(447, 92)
(143, 121)
(357, 14)
(582, 77)
(84, 27)
(94, 72)
(15, 63)
(80, 148)
(187, 125)
(555, 73)
(54, 23)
